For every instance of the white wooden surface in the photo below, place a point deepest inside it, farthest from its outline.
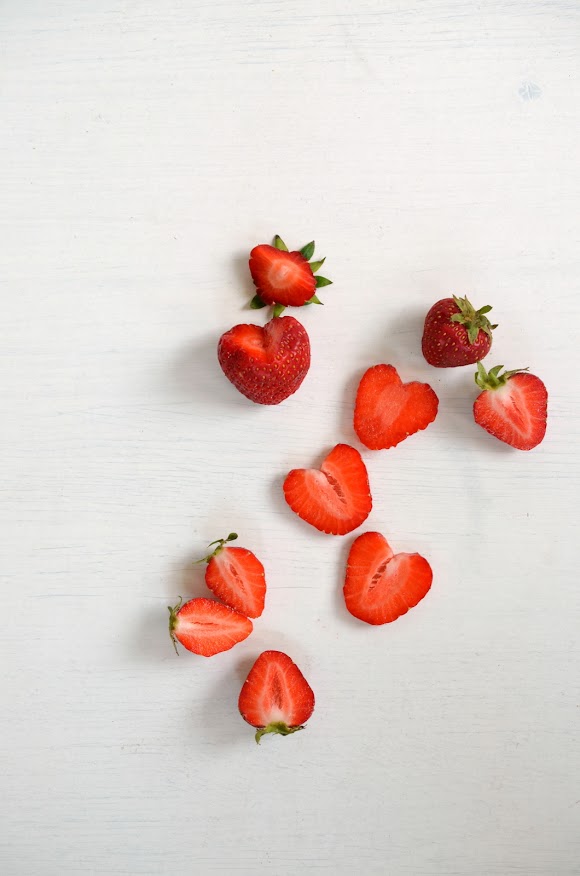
(429, 148)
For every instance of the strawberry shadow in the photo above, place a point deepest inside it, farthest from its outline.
(243, 279)
(220, 720)
(150, 641)
(195, 375)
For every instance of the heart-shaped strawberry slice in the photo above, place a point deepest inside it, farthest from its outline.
(266, 364)
(335, 498)
(381, 586)
(387, 410)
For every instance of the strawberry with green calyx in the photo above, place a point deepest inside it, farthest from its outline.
(207, 627)
(275, 697)
(236, 576)
(455, 333)
(513, 406)
(283, 278)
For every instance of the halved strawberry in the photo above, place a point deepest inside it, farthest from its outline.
(387, 410)
(381, 586)
(275, 697)
(335, 498)
(207, 627)
(266, 364)
(236, 576)
(512, 407)
(285, 278)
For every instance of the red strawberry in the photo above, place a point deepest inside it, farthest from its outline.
(455, 333)
(381, 586)
(275, 697)
(335, 499)
(236, 576)
(387, 411)
(513, 406)
(207, 627)
(285, 278)
(266, 364)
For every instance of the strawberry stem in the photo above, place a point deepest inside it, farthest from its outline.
(277, 727)
(221, 543)
(492, 379)
(173, 622)
(473, 320)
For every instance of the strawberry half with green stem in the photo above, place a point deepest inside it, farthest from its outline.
(207, 627)
(283, 278)
(512, 407)
(335, 498)
(236, 576)
(379, 585)
(275, 697)
(456, 334)
(266, 364)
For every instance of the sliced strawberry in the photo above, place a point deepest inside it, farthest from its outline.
(275, 697)
(381, 586)
(335, 499)
(236, 576)
(387, 410)
(285, 279)
(266, 364)
(207, 627)
(512, 407)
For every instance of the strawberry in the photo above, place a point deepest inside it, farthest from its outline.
(381, 586)
(207, 627)
(513, 406)
(456, 334)
(275, 697)
(335, 499)
(387, 410)
(266, 364)
(236, 576)
(285, 278)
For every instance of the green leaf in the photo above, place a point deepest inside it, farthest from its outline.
(485, 309)
(278, 309)
(256, 303)
(322, 281)
(279, 243)
(314, 300)
(308, 251)
(316, 266)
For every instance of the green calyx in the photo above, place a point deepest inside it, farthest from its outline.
(277, 727)
(221, 543)
(492, 379)
(173, 622)
(473, 320)
(306, 252)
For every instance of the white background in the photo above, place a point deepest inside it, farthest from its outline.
(145, 147)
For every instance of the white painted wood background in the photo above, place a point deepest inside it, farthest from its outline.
(428, 148)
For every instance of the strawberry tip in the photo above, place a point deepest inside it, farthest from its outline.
(279, 727)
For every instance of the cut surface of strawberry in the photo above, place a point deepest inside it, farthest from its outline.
(275, 697)
(236, 576)
(335, 498)
(387, 410)
(513, 406)
(379, 585)
(283, 278)
(207, 627)
(266, 364)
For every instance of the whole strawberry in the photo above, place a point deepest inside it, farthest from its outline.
(266, 364)
(512, 407)
(285, 279)
(456, 334)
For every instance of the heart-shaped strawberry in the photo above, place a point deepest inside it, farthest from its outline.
(335, 498)
(387, 410)
(381, 586)
(266, 364)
